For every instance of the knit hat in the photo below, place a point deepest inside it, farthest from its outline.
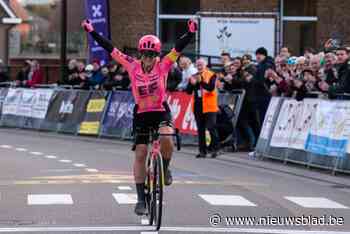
(261, 50)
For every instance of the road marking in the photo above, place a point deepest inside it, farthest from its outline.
(125, 198)
(6, 146)
(21, 149)
(316, 202)
(79, 165)
(65, 161)
(144, 221)
(86, 181)
(91, 170)
(36, 153)
(50, 199)
(50, 156)
(167, 229)
(124, 188)
(226, 200)
(149, 232)
(113, 181)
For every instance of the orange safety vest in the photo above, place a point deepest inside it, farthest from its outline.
(209, 99)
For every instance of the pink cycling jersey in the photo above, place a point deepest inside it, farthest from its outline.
(149, 89)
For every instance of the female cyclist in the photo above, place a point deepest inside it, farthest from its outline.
(148, 82)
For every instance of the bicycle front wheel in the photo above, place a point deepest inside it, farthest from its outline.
(159, 192)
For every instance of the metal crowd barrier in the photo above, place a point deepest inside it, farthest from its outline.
(286, 155)
(63, 109)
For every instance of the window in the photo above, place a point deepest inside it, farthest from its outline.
(179, 6)
(170, 30)
(300, 7)
(39, 35)
(299, 35)
(172, 18)
(299, 24)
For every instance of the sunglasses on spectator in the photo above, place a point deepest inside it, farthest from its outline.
(149, 54)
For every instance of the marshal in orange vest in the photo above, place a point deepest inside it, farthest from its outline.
(209, 98)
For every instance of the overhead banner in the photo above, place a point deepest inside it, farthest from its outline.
(329, 133)
(94, 112)
(97, 12)
(181, 107)
(237, 36)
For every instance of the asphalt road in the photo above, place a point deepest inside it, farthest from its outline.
(62, 184)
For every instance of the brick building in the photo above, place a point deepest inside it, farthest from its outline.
(300, 23)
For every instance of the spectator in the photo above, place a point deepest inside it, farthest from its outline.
(309, 53)
(343, 84)
(3, 72)
(225, 58)
(22, 75)
(174, 78)
(237, 62)
(284, 53)
(264, 63)
(72, 77)
(247, 61)
(96, 78)
(205, 105)
(81, 74)
(188, 70)
(118, 78)
(315, 64)
(248, 120)
(232, 78)
(330, 71)
(35, 76)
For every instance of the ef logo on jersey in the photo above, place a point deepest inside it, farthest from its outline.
(149, 89)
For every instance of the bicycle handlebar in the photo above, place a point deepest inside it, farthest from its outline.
(176, 135)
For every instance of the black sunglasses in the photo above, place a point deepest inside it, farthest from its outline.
(149, 54)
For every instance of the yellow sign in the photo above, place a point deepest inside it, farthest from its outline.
(90, 128)
(96, 105)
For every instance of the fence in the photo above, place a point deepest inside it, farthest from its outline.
(94, 113)
(314, 132)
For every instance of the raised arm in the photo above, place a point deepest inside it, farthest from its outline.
(117, 55)
(181, 43)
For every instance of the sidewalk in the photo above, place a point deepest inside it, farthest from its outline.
(340, 181)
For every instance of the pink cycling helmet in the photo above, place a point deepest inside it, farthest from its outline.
(150, 43)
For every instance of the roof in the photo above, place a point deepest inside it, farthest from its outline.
(12, 18)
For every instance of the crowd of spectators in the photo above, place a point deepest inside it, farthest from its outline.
(95, 76)
(30, 74)
(286, 75)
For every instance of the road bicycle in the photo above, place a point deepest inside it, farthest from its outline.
(155, 177)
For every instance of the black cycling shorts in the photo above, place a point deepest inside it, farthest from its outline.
(144, 122)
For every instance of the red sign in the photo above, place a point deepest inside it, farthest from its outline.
(182, 111)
